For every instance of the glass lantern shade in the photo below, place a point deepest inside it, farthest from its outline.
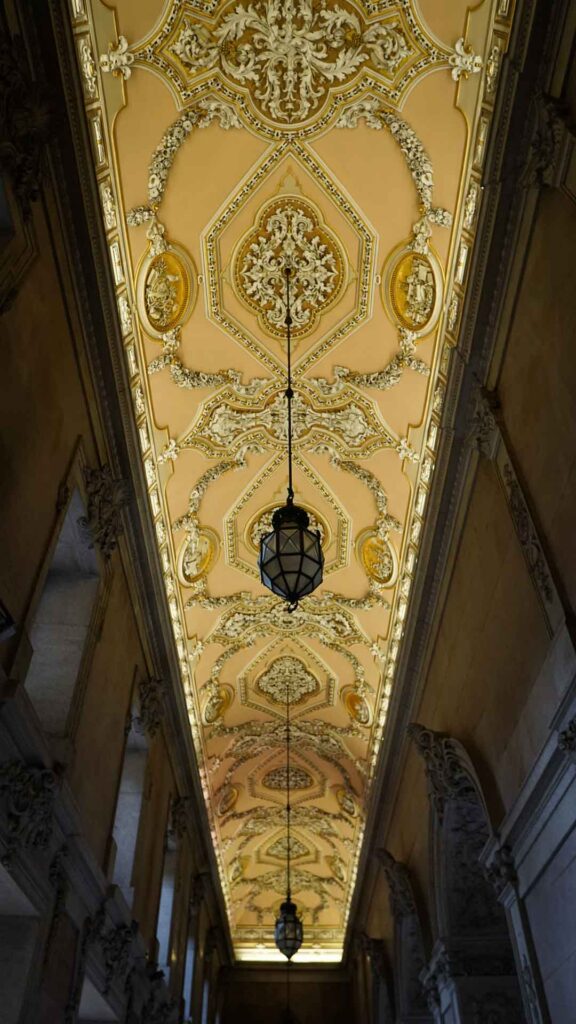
(288, 933)
(291, 558)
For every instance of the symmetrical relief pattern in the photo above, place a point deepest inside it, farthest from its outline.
(280, 102)
(289, 232)
(277, 778)
(288, 62)
(289, 52)
(287, 681)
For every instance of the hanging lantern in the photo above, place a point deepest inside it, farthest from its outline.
(291, 559)
(288, 932)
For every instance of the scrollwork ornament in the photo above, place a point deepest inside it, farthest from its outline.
(399, 886)
(447, 776)
(151, 692)
(25, 123)
(464, 61)
(106, 499)
(501, 871)
(418, 162)
(118, 61)
(29, 794)
(292, 51)
(527, 535)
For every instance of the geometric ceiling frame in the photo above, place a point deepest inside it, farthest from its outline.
(309, 855)
(307, 781)
(248, 680)
(339, 523)
(279, 167)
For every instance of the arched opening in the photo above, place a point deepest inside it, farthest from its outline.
(61, 624)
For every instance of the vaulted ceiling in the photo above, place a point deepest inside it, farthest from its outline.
(350, 136)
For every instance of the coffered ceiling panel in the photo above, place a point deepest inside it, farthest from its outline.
(349, 136)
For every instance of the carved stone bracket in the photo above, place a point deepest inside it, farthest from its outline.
(60, 885)
(177, 826)
(116, 945)
(399, 885)
(530, 542)
(197, 894)
(151, 693)
(551, 145)
(446, 769)
(29, 796)
(107, 497)
(487, 436)
(24, 123)
(484, 430)
(567, 738)
(501, 871)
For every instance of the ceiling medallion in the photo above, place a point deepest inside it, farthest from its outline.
(413, 288)
(356, 706)
(287, 679)
(289, 228)
(165, 285)
(377, 557)
(288, 53)
(227, 800)
(197, 554)
(346, 801)
(277, 778)
(217, 704)
(279, 849)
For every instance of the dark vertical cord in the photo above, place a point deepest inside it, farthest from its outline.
(289, 393)
(288, 808)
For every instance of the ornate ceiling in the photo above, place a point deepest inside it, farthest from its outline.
(350, 136)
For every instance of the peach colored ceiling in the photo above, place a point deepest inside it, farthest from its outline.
(352, 134)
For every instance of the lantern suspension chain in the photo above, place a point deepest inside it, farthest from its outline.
(289, 392)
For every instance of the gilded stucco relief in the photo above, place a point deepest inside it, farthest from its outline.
(347, 137)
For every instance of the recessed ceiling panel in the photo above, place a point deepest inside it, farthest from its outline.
(349, 137)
